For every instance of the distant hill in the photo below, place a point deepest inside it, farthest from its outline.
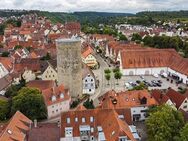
(164, 14)
(9, 13)
(82, 16)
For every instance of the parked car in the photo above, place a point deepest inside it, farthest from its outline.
(159, 81)
(138, 81)
(142, 77)
(155, 75)
(153, 81)
(154, 85)
(127, 85)
(164, 75)
(158, 84)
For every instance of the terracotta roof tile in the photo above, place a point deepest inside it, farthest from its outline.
(112, 128)
(126, 99)
(57, 92)
(176, 97)
(41, 84)
(16, 128)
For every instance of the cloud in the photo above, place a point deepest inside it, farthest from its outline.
(95, 5)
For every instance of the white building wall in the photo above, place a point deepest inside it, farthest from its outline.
(139, 110)
(3, 71)
(182, 76)
(171, 104)
(184, 105)
(71, 139)
(89, 85)
(49, 74)
(56, 109)
(144, 71)
(28, 75)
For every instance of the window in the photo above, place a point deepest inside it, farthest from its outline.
(61, 95)
(68, 132)
(85, 85)
(53, 98)
(52, 112)
(86, 80)
(76, 119)
(184, 106)
(57, 110)
(91, 80)
(185, 101)
(90, 90)
(91, 119)
(83, 119)
(92, 129)
(91, 84)
(68, 120)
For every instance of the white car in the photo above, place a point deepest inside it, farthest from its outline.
(155, 75)
(165, 75)
(127, 85)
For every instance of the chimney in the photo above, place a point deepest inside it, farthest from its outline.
(35, 123)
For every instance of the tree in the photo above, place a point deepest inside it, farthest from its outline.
(122, 37)
(164, 123)
(108, 77)
(5, 54)
(106, 71)
(30, 102)
(4, 109)
(117, 75)
(184, 133)
(47, 57)
(89, 104)
(141, 86)
(13, 89)
(116, 70)
(136, 37)
(17, 47)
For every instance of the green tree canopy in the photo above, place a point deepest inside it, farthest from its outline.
(106, 71)
(122, 37)
(4, 109)
(89, 104)
(136, 37)
(164, 124)
(184, 133)
(30, 102)
(5, 54)
(117, 75)
(108, 76)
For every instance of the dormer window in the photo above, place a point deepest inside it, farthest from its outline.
(61, 95)
(53, 98)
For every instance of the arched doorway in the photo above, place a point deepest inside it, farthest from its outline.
(147, 72)
(131, 73)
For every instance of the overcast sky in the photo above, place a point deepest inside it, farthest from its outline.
(130, 6)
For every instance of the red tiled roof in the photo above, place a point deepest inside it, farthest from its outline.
(159, 96)
(41, 84)
(176, 97)
(141, 58)
(112, 128)
(7, 62)
(55, 91)
(44, 132)
(87, 51)
(126, 99)
(16, 128)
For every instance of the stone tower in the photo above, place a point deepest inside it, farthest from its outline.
(69, 65)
